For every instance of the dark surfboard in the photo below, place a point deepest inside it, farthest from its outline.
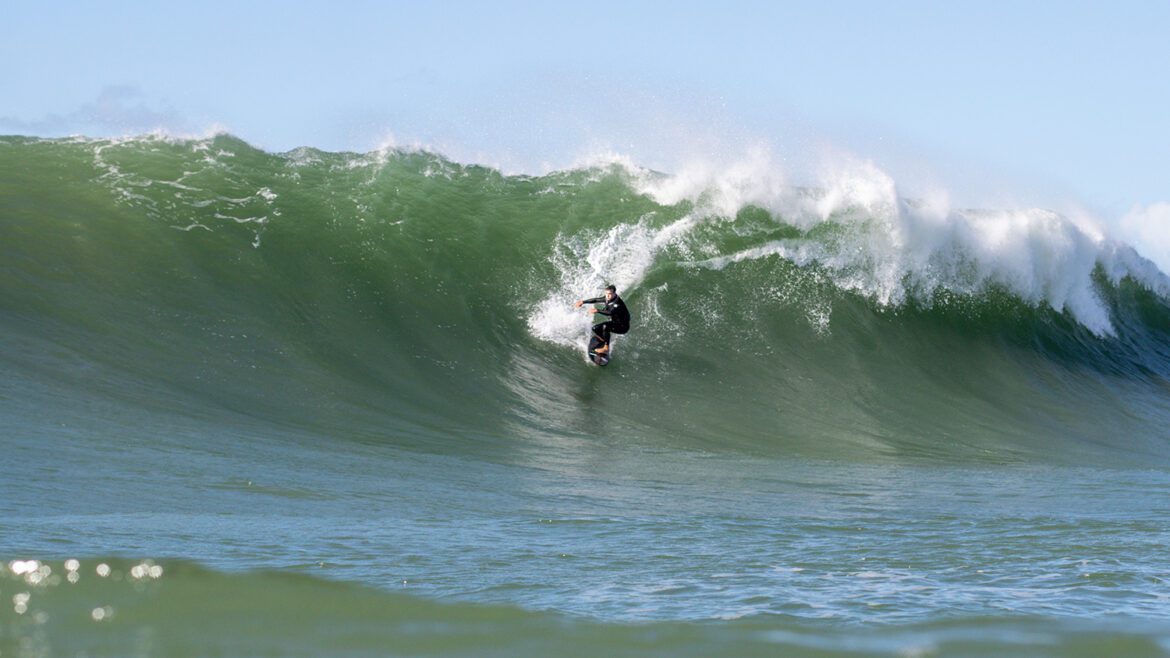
(599, 359)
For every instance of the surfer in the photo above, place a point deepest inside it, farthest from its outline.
(615, 309)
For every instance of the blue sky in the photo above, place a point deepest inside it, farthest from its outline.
(1054, 100)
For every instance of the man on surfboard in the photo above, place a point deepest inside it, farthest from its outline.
(615, 309)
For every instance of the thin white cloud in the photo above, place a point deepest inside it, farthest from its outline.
(117, 109)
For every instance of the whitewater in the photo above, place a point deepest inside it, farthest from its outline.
(318, 403)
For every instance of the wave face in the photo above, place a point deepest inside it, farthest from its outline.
(369, 291)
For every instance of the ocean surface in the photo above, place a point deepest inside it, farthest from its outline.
(337, 404)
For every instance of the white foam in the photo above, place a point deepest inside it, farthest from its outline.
(722, 189)
(884, 246)
(622, 256)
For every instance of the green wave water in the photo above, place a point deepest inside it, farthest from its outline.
(313, 287)
(145, 610)
(844, 423)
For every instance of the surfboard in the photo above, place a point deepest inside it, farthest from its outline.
(594, 343)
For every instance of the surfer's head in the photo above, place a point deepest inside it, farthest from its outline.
(610, 291)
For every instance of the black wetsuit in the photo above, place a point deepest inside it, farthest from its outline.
(619, 317)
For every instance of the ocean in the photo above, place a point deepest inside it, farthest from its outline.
(337, 404)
